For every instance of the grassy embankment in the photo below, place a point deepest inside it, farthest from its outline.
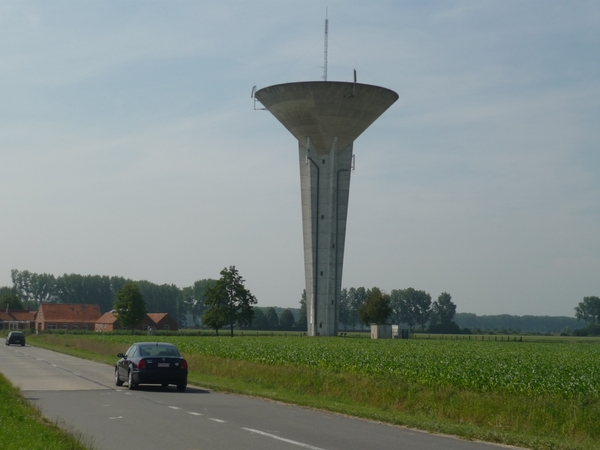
(23, 427)
(560, 414)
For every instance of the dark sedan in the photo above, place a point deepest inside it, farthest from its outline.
(152, 363)
(15, 337)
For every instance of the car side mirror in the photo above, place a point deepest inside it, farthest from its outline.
(121, 355)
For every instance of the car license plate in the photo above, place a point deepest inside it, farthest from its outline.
(163, 364)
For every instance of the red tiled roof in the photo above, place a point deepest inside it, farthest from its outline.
(18, 316)
(108, 317)
(23, 315)
(157, 317)
(68, 312)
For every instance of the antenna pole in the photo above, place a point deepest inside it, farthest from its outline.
(326, 45)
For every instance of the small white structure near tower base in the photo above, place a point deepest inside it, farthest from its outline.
(381, 331)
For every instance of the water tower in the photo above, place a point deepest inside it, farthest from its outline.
(325, 117)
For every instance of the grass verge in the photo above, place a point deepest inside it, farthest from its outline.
(23, 427)
(541, 423)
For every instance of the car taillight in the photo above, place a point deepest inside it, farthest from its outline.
(184, 364)
(142, 364)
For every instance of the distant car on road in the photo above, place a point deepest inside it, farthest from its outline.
(15, 337)
(152, 363)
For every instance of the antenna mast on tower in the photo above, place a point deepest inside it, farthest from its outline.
(326, 44)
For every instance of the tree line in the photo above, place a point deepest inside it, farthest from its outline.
(358, 307)
(506, 323)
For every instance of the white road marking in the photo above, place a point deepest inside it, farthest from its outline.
(194, 413)
(174, 407)
(217, 420)
(289, 441)
(120, 417)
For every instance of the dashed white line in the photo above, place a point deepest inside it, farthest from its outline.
(112, 418)
(217, 420)
(194, 413)
(174, 407)
(289, 441)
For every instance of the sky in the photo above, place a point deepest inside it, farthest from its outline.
(130, 145)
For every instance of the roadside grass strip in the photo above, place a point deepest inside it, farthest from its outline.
(23, 427)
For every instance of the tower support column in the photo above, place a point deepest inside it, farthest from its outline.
(325, 188)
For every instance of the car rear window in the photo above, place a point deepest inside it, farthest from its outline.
(158, 350)
(17, 333)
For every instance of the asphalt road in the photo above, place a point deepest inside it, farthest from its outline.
(82, 397)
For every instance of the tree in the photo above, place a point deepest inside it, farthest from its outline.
(75, 288)
(344, 309)
(272, 317)
(396, 302)
(228, 301)
(286, 320)
(34, 288)
(130, 307)
(444, 308)
(10, 300)
(7, 290)
(589, 310)
(356, 298)
(376, 308)
(193, 298)
(414, 307)
(302, 322)
(443, 311)
(215, 317)
(260, 321)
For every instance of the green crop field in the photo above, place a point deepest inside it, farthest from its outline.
(525, 368)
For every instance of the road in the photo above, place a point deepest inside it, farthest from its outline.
(81, 396)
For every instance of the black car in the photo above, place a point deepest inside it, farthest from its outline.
(152, 363)
(15, 337)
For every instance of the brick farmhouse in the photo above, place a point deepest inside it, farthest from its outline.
(67, 316)
(17, 320)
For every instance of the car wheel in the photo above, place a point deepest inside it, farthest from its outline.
(181, 387)
(130, 382)
(118, 381)
(22, 345)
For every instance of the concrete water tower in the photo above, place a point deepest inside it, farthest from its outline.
(325, 117)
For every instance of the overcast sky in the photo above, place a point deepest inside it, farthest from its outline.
(129, 145)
